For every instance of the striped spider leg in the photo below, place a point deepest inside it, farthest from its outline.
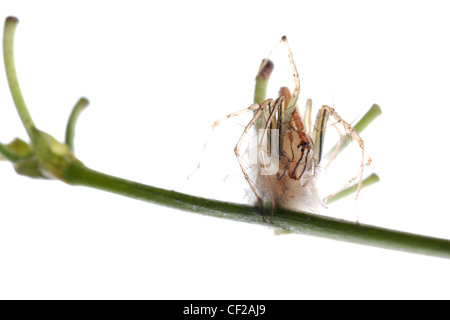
(258, 110)
(267, 106)
(355, 137)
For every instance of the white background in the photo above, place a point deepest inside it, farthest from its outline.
(157, 75)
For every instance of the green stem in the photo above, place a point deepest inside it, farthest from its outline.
(262, 80)
(8, 56)
(78, 174)
(373, 178)
(363, 123)
(261, 83)
(288, 221)
(70, 129)
(367, 119)
(8, 154)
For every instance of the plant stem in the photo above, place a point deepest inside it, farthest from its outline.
(262, 80)
(70, 129)
(261, 83)
(363, 123)
(288, 221)
(5, 152)
(78, 174)
(8, 56)
(373, 178)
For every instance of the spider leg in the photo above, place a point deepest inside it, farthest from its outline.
(307, 117)
(252, 185)
(296, 91)
(253, 107)
(338, 145)
(313, 165)
(319, 134)
(279, 103)
(356, 137)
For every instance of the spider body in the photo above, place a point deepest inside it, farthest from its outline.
(289, 149)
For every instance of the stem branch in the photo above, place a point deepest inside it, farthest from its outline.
(288, 221)
(359, 127)
(8, 56)
(70, 129)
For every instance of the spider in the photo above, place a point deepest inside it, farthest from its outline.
(289, 150)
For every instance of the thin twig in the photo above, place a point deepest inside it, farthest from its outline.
(288, 221)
